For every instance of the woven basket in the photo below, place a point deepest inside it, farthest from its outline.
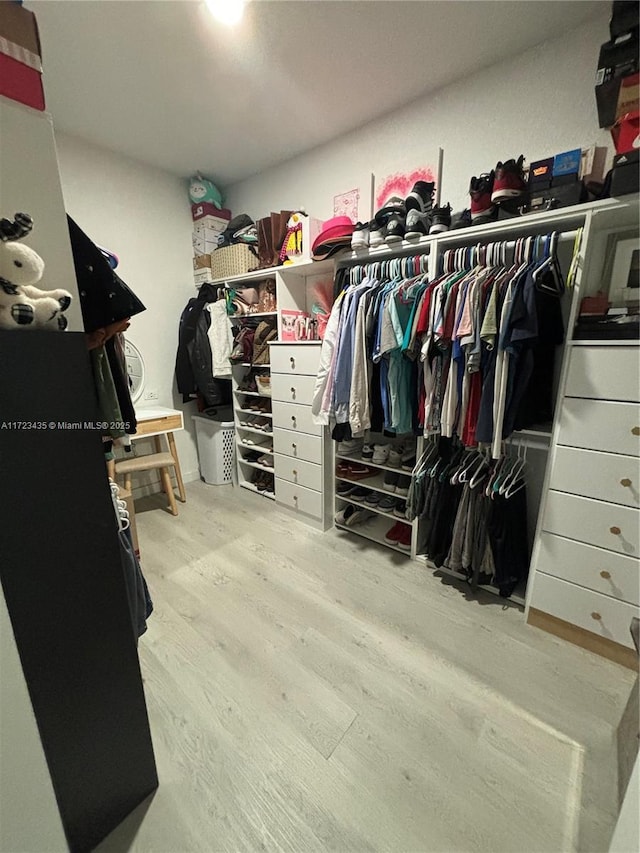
(233, 260)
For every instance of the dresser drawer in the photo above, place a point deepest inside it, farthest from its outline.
(298, 498)
(292, 389)
(604, 373)
(300, 473)
(294, 417)
(597, 613)
(598, 523)
(598, 425)
(595, 568)
(604, 476)
(295, 358)
(298, 445)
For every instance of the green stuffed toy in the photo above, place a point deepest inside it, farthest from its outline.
(202, 190)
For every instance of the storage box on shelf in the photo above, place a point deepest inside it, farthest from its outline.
(301, 468)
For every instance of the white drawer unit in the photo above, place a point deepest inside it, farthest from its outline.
(295, 359)
(292, 389)
(604, 373)
(297, 445)
(604, 476)
(594, 568)
(606, 525)
(601, 615)
(299, 498)
(600, 425)
(298, 472)
(295, 417)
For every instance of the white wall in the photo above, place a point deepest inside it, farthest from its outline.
(538, 104)
(143, 215)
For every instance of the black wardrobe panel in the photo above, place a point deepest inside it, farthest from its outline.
(65, 591)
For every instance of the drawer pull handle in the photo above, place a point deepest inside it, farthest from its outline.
(295, 497)
(636, 430)
(292, 361)
(615, 530)
(606, 575)
(293, 391)
(293, 419)
(596, 616)
(294, 448)
(626, 482)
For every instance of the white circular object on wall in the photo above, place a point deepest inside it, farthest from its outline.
(135, 370)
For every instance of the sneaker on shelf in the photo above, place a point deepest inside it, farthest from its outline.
(345, 513)
(395, 457)
(394, 232)
(377, 232)
(373, 499)
(417, 224)
(387, 503)
(358, 517)
(248, 383)
(440, 219)
(400, 509)
(269, 488)
(461, 220)
(404, 538)
(403, 485)
(509, 183)
(482, 207)
(394, 533)
(390, 480)
(360, 494)
(421, 197)
(246, 405)
(344, 489)
(350, 447)
(367, 452)
(265, 460)
(262, 423)
(380, 454)
(360, 236)
(360, 472)
(252, 456)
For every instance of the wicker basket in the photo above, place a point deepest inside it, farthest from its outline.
(232, 260)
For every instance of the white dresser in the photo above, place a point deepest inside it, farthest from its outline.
(586, 578)
(302, 473)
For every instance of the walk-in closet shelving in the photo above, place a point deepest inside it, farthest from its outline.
(597, 220)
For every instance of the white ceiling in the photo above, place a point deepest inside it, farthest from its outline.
(164, 83)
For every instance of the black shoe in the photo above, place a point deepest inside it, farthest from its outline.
(462, 220)
(420, 197)
(441, 219)
(417, 224)
(394, 231)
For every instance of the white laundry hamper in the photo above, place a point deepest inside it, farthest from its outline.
(215, 449)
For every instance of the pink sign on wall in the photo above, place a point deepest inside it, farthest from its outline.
(400, 184)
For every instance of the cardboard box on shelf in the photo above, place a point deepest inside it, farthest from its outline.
(205, 208)
(204, 245)
(20, 57)
(201, 262)
(202, 276)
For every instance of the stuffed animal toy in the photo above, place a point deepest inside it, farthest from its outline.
(292, 243)
(202, 189)
(22, 305)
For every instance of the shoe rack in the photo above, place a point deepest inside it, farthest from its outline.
(253, 434)
(380, 522)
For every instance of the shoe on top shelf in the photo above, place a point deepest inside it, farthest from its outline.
(440, 219)
(461, 220)
(350, 447)
(421, 197)
(380, 454)
(377, 232)
(417, 224)
(509, 183)
(394, 230)
(367, 452)
(360, 236)
(395, 457)
(480, 190)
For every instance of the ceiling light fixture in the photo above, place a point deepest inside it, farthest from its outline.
(227, 12)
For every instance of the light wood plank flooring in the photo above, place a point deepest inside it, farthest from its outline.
(312, 691)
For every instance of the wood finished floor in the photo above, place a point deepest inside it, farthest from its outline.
(312, 691)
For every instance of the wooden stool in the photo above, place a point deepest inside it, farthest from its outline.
(160, 460)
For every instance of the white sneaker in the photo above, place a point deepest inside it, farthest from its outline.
(380, 454)
(343, 516)
(376, 234)
(360, 237)
(395, 457)
(348, 448)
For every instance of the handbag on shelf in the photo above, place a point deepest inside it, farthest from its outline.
(242, 351)
(265, 243)
(244, 301)
(267, 296)
(264, 333)
(263, 381)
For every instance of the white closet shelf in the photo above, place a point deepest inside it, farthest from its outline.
(373, 483)
(361, 461)
(304, 268)
(256, 465)
(515, 597)
(249, 394)
(252, 430)
(253, 413)
(246, 485)
(256, 314)
(260, 448)
(374, 529)
(387, 514)
(248, 364)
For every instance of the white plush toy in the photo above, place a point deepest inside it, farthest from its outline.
(22, 305)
